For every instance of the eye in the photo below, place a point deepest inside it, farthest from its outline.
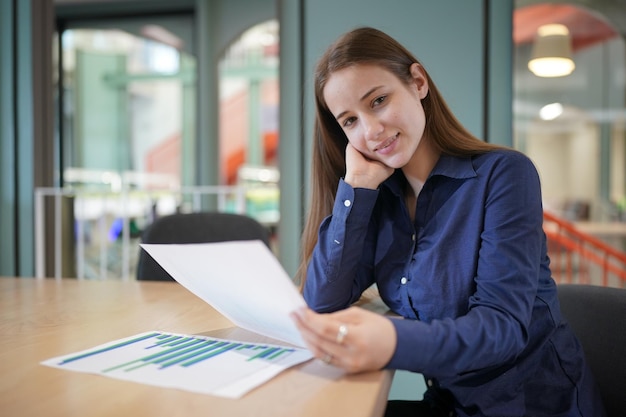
(378, 101)
(348, 121)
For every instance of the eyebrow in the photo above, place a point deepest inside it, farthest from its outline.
(363, 97)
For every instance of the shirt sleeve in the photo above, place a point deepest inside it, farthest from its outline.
(497, 324)
(335, 276)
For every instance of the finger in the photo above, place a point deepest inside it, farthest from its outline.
(326, 326)
(320, 348)
(314, 342)
(338, 344)
(321, 345)
(307, 334)
(304, 319)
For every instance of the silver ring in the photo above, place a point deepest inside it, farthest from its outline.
(327, 358)
(341, 334)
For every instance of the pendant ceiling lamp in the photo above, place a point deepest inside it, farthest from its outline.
(552, 52)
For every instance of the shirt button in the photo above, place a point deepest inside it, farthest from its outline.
(347, 203)
(413, 237)
(403, 280)
(429, 382)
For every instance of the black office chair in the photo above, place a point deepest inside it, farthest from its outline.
(203, 227)
(598, 317)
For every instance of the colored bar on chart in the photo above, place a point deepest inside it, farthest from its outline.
(211, 354)
(106, 349)
(280, 352)
(162, 356)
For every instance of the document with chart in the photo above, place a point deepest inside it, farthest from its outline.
(193, 363)
(243, 281)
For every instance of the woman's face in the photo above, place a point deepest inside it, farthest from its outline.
(382, 117)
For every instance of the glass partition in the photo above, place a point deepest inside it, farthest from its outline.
(570, 115)
(126, 95)
(573, 124)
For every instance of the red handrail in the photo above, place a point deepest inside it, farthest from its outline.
(564, 239)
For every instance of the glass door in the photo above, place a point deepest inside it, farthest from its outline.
(127, 131)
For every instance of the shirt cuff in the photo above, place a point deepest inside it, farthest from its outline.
(354, 204)
(412, 339)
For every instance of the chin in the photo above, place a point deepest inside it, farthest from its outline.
(396, 163)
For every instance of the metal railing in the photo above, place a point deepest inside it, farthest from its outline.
(580, 257)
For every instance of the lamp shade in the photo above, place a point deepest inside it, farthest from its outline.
(552, 52)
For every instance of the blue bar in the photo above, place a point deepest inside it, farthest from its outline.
(113, 347)
(245, 347)
(150, 358)
(178, 360)
(265, 353)
(212, 354)
(164, 341)
(183, 340)
(197, 349)
(280, 352)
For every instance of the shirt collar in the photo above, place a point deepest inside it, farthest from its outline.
(454, 167)
(446, 166)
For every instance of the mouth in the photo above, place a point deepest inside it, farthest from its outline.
(386, 143)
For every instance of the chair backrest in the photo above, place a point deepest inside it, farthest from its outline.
(598, 317)
(203, 227)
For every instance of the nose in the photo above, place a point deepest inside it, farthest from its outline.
(372, 127)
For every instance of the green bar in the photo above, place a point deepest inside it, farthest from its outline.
(280, 352)
(212, 354)
(155, 357)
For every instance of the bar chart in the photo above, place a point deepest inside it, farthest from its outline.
(195, 363)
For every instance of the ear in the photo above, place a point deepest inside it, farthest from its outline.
(420, 80)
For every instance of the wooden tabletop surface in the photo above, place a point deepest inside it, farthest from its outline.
(44, 318)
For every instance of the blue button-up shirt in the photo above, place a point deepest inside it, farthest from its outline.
(471, 277)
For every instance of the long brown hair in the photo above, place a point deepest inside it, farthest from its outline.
(368, 46)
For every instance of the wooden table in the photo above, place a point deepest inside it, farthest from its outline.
(45, 318)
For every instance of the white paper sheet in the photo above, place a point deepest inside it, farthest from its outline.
(243, 280)
(194, 363)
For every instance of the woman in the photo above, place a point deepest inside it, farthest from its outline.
(449, 228)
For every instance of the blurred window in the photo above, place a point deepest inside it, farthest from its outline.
(573, 126)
